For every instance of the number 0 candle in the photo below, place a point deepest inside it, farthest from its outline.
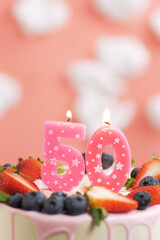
(108, 135)
(54, 151)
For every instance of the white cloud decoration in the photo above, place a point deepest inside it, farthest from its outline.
(153, 110)
(99, 87)
(10, 93)
(121, 10)
(126, 55)
(155, 22)
(41, 16)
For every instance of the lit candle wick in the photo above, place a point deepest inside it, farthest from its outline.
(69, 116)
(106, 117)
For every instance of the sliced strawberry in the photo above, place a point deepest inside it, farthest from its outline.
(30, 168)
(153, 190)
(112, 201)
(151, 168)
(11, 182)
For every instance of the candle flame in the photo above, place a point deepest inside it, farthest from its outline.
(106, 116)
(69, 116)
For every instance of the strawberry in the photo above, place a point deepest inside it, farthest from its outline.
(151, 168)
(111, 201)
(30, 168)
(11, 182)
(154, 191)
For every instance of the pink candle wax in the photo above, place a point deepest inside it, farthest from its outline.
(108, 135)
(55, 151)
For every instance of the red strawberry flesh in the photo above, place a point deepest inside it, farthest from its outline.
(12, 182)
(154, 191)
(151, 168)
(112, 201)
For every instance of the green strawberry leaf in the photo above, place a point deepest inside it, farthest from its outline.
(132, 162)
(98, 214)
(157, 184)
(20, 160)
(4, 197)
(129, 183)
(61, 169)
(154, 157)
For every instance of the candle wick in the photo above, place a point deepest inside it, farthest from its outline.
(107, 123)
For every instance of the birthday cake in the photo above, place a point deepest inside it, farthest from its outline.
(29, 211)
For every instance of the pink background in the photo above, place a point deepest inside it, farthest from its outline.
(40, 63)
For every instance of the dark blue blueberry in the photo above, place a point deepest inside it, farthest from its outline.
(76, 205)
(53, 205)
(59, 194)
(33, 201)
(134, 172)
(143, 198)
(7, 165)
(107, 160)
(15, 200)
(148, 181)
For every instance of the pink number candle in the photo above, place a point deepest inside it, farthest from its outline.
(55, 151)
(108, 135)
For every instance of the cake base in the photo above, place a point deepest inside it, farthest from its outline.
(17, 224)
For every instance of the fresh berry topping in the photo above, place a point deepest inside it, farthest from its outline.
(111, 201)
(61, 195)
(30, 168)
(151, 168)
(15, 200)
(134, 172)
(53, 205)
(143, 198)
(76, 205)
(154, 192)
(33, 201)
(107, 160)
(148, 181)
(7, 165)
(11, 182)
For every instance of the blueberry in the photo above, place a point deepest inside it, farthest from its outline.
(148, 181)
(134, 172)
(107, 160)
(15, 200)
(7, 165)
(143, 198)
(61, 195)
(53, 205)
(33, 201)
(76, 205)
(84, 155)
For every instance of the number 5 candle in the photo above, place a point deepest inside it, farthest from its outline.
(54, 151)
(108, 135)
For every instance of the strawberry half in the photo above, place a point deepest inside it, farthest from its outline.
(153, 190)
(30, 168)
(151, 168)
(11, 182)
(111, 201)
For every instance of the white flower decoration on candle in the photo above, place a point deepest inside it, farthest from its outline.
(153, 110)
(121, 10)
(41, 16)
(126, 55)
(10, 93)
(155, 22)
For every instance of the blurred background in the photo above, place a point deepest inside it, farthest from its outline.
(82, 55)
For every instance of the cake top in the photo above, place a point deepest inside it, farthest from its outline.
(21, 187)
